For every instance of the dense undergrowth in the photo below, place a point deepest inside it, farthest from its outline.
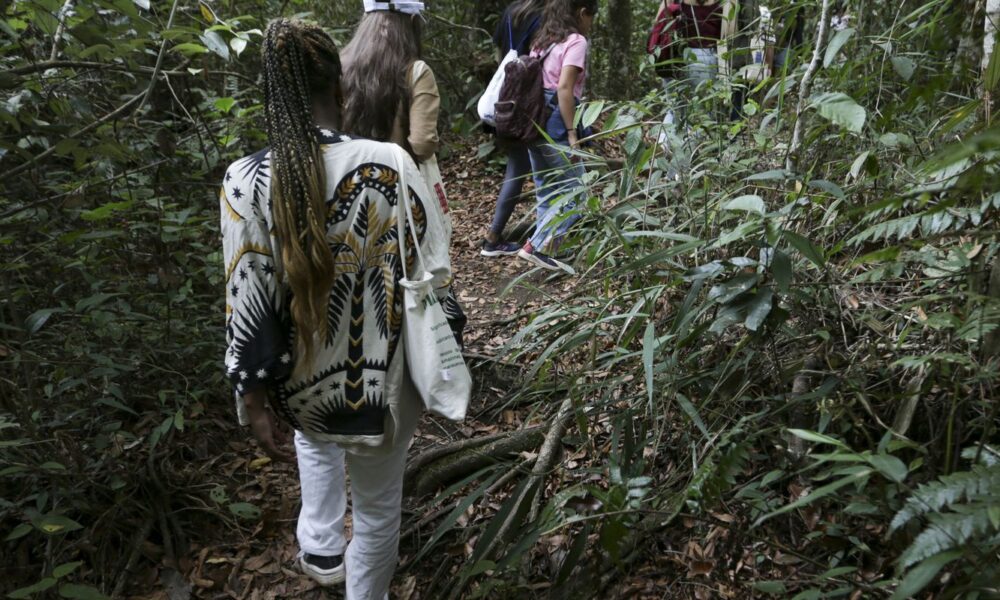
(800, 353)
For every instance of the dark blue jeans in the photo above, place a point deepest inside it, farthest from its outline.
(558, 182)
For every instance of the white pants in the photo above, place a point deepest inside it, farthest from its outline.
(376, 494)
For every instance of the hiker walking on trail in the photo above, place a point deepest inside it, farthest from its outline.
(699, 30)
(390, 94)
(314, 307)
(515, 31)
(562, 44)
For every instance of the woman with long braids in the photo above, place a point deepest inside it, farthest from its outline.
(314, 307)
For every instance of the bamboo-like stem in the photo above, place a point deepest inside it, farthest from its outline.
(805, 87)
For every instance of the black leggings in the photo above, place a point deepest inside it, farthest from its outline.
(518, 169)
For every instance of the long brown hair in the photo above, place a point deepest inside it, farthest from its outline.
(522, 10)
(300, 64)
(560, 20)
(377, 63)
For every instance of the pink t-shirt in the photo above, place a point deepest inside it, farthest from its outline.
(571, 52)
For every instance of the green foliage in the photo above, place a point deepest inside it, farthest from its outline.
(745, 314)
(116, 126)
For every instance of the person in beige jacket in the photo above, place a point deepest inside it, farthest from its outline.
(389, 93)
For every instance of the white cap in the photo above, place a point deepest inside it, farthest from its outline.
(410, 8)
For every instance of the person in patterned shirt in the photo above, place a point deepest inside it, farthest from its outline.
(314, 307)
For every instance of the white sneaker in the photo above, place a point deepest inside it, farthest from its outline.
(324, 570)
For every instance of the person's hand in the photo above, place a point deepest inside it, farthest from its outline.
(574, 144)
(574, 140)
(265, 428)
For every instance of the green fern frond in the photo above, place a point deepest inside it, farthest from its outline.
(980, 482)
(947, 532)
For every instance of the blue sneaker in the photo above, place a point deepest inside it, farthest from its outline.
(499, 248)
(544, 261)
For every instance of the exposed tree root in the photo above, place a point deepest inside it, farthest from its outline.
(125, 575)
(530, 492)
(443, 465)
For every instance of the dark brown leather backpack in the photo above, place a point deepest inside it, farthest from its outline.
(521, 110)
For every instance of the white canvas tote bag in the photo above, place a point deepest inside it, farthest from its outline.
(435, 361)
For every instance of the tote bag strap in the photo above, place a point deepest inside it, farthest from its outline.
(404, 213)
(418, 70)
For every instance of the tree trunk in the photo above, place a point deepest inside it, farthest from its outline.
(991, 345)
(621, 68)
(989, 42)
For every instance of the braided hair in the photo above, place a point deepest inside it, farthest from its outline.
(300, 64)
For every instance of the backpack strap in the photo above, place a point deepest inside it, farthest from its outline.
(510, 31)
(527, 33)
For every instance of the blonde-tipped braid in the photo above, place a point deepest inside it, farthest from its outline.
(300, 61)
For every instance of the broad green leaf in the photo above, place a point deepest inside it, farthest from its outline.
(219, 495)
(116, 404)
(829, 187)
(805, 247)
(65, 569)
(890, 466)
(244, 510)
(143, 4)
(773, 175)
(214, 42)
(859, 163)
(836, 43)
(31, 590)
(591, 114)
(994, 514)
(224, 105)
(781, 270)
(105, 211)
(748, 203)
(80, 592)
(774, 588)
(479, 568)
(207, 13)
(919, 576)
(190, 48)
(992, 75)
(56, 524)
(93, 301)
(759, 309)
(817, 438)
(20, 531)
(842, 110)
(612, 533)
(904, 67)
(238, 44)
(726, 292)
(37, 319)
